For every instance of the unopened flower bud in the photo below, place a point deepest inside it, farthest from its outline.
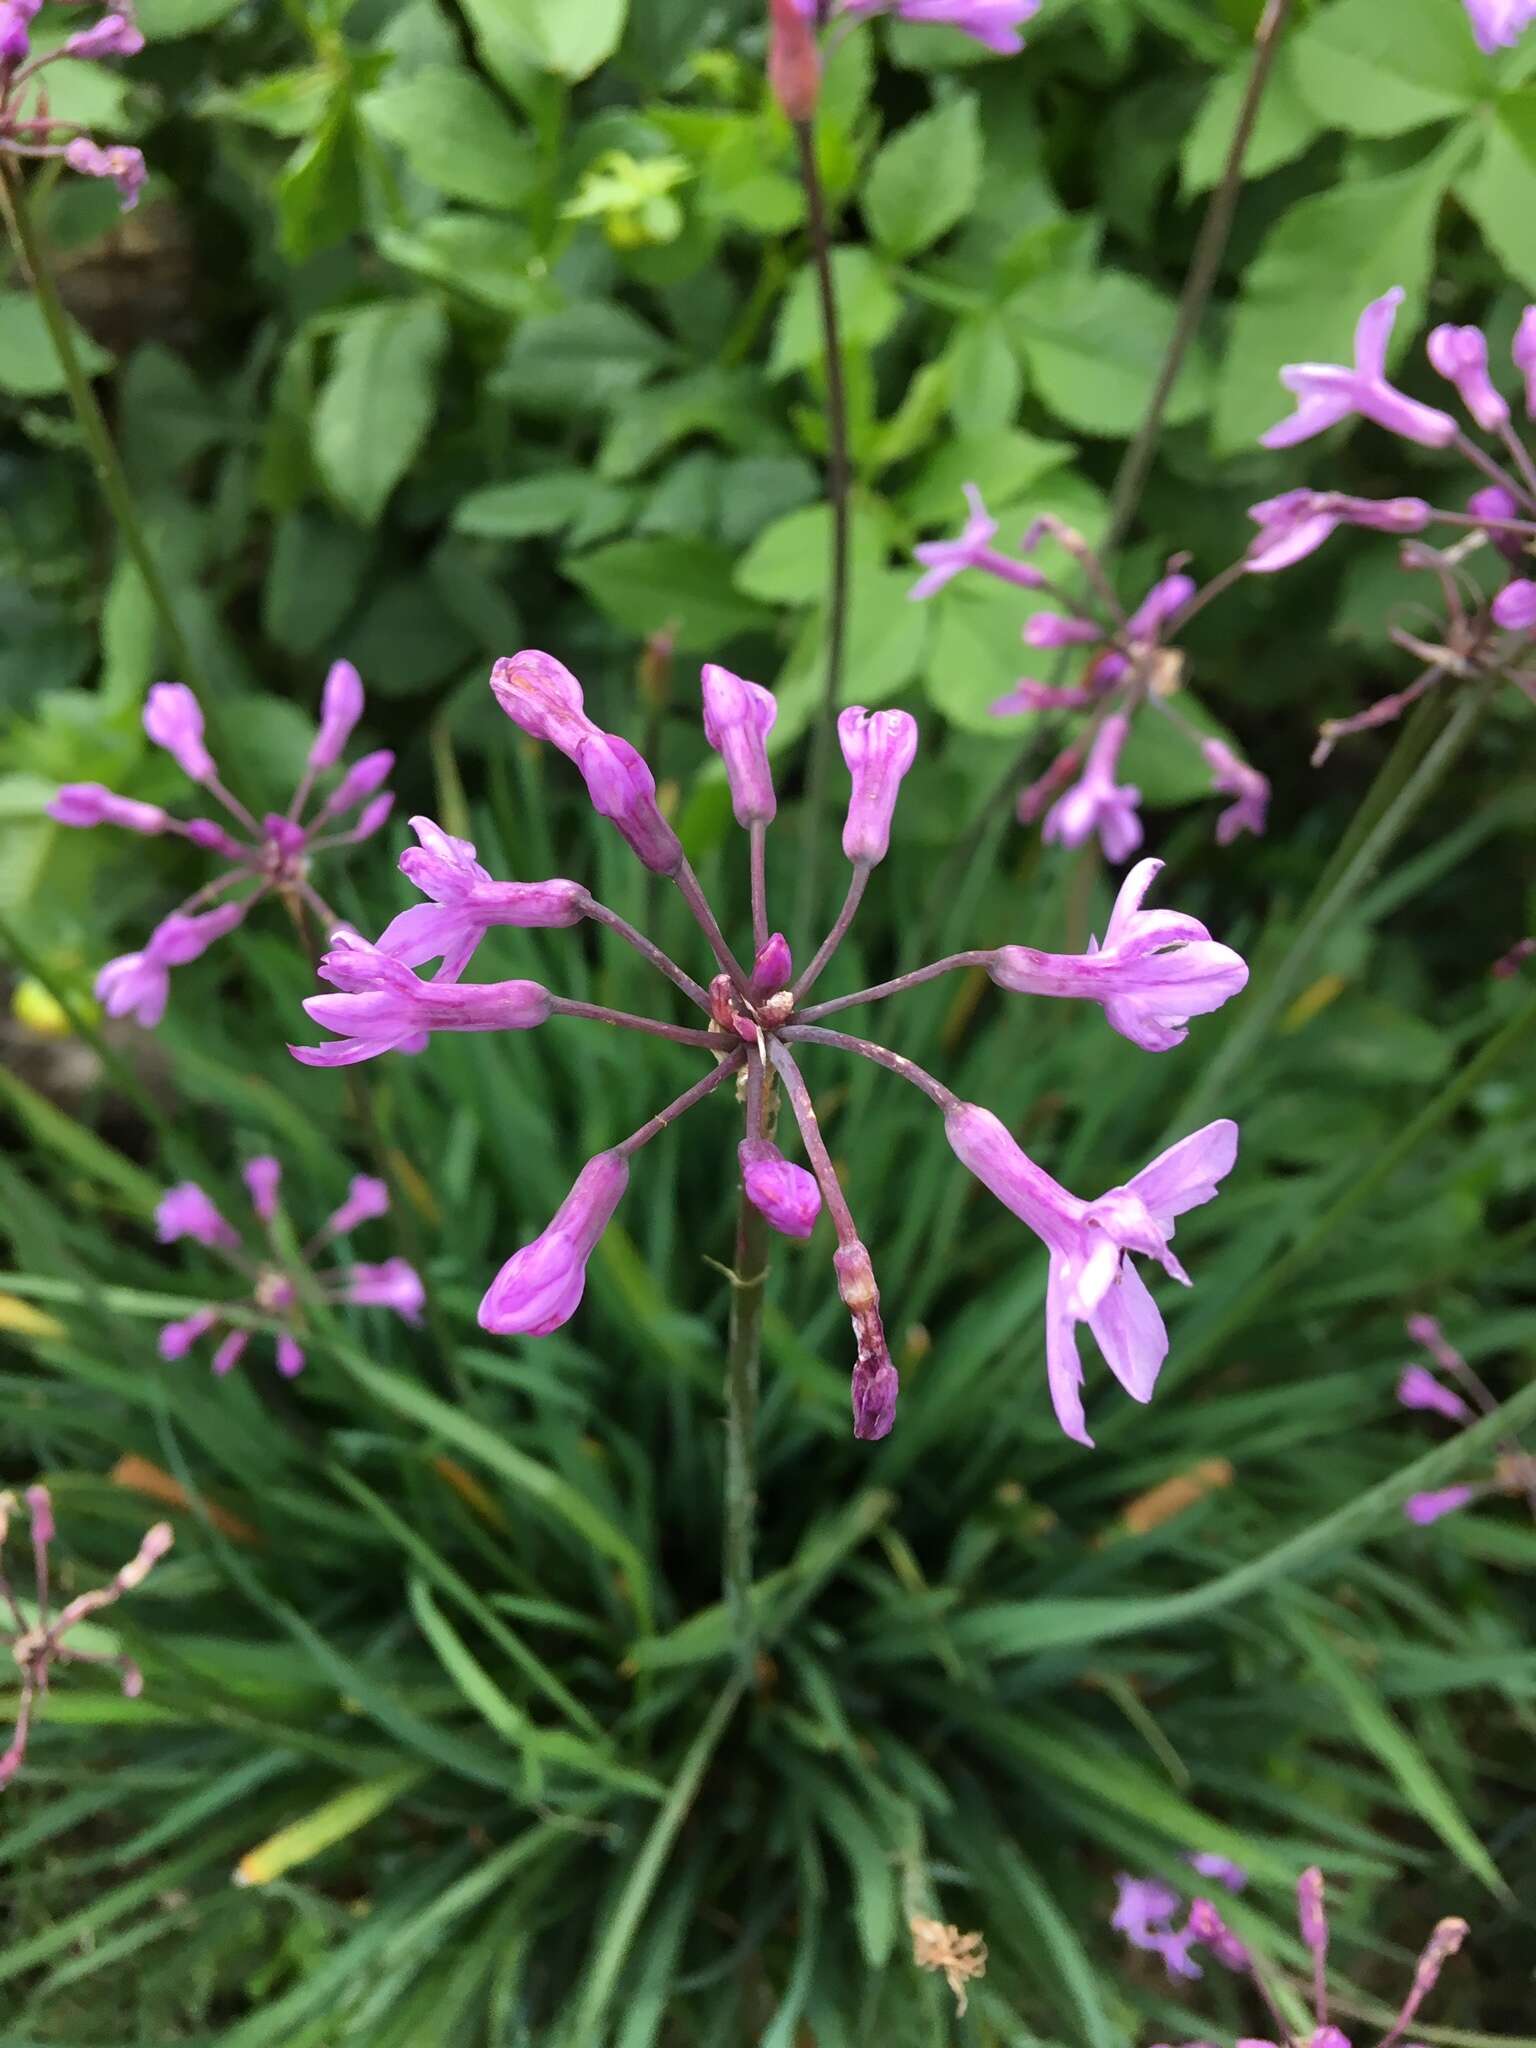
(40, 1507)
(88, 803)
(773, 967)
(1424, 1508)
(540, 1287)
(879, 747)
(1523, 355)
(1311, 1913)
(341, 706)
(738, 717)
(173, 719)
(783, 1192)
(262, 1178)
(794, 61)
(1460, 355)
(1515, 606)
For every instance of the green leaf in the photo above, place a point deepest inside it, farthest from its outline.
(1093, 346)
(376, 405)
(163, 20)
(1375, 70)
(29, 364)
(315, 578)
(585, 355)
(319, 195)
(1321, 263)
(326, 1825)
(681, 586)
(569, 37)
(985, 384)
(1285, 127)
(867, 309)
(456, 135)
(541, 504)
(1004, 467)
(926, 178)
(1500, 189)
(790, 562)
(485, 257)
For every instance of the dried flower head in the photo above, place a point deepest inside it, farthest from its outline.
(961, 1957)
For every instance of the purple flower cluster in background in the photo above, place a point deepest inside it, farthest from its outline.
(1480, 637)
(1146, 1909)
(36, 1646)
(274, 855)
(1155, 970)
(1419, 1388)
(29, 130)
(272, 1288)
(1208, 1927)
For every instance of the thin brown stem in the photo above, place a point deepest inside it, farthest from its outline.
(882, 1056)
(649, 950)
(758, 841)
(693, 895)
(624, 1020)
(857, 883)
(902, 982)
(654, 1126)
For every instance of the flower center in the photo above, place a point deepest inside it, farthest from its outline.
(274, 1291)
(284, 860)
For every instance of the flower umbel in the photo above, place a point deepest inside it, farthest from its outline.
(38, 1644)
(274, 1288)
(260, 859)
(28, 128)
(1155, 971)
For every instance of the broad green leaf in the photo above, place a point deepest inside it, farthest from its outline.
(163, 20)
(1375, 70)
(29, 364)
(985, 383)
(585, 355)
(1093, 346)
(319, 194)
(314, 578)
(456, 134)
(376, 405)
(568, 37)
(677, 586)
(790, 562)
(1285, 127)
(483, 255)
(886, 640)
(542, 504)
(1320, 265)
(1003, 466)
(867, 309)
(1499, 191)
(925, 179)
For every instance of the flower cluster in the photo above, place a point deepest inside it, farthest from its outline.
(272, 856)
(1418, 1387)
(1444, 1941)
(1155, 970)
(1127, 663)
(272, 1288)
(37, 1645)
(29, 130)
(1481, 637)
(1146, 1908)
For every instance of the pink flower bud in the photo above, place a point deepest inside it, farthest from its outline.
(786, 1194)
(794, 61)
(623, 790)
(186, 1211)
(177, 1339)
(15, 46)
(1460, 355)
(738, 717)
(123, 165)
(290, 1356)
(230, 1352)
(115, 35)
(1424, 1508)
(88, 803)
(773, 968)
(173, 719)
(359, 782)
(879, 747)
(1311, 1913)
(1418, 1388)
(367, 1198)
(213, 838)
(1515, 606)
(1051, 629)
(540, 1287)
(393, 1285)
(341, 706)
(1523, 354)
(542, 698)
(262, 1178)
(40, 1508)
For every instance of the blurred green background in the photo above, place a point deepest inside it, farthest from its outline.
(445, 329)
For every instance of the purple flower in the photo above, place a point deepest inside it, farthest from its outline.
(1096, 802)
(1297, 523)
(88, 803)
(543, 698)
(263, 1177)
(738, 717)
(879, 747)
(341, 706)
(1234, 778)
(1424, 1508)
(177, 1339)
(773, 967)
(1161, 605)
(1155, 970)
(392, 1285)
(1418, 1388)
(1143, 1908)
(1460, 355)
(1091, 1278)
(996, 23)
(540, 1287)
(1515, 606)
(367, 1198)
(786, 1194)
(1498, 24)
(1055, 629)
(173, 719)
(1496, 505)
(15, 30)
(1523, 355)
(384, 1007)
(123, 165)
(943, 560)
(1311, 1911)
(115, 35)
(465, 903)
(1220, 1869)
(1326, 393)
(186, 1211)
(138, 985)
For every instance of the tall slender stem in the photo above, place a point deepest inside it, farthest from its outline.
(693, 895)
(838, 481)
(881, 1055)
(105, 461)
(648, 950)
(759, 846)
(678, 1034)
(1210, 246)
(949, 965)
(829, 945)
(742, 1365)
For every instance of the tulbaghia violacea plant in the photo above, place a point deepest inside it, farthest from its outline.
(1445, 1938)
(1155, 970)
(28, 128)
(1480, 637)
(1460, 1398)
(273, 856)
(38, 1644)
(1127, 665)
(272, 1288)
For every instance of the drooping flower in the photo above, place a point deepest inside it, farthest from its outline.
(1296, 524)
(273, 1287)
(1091, 1276)
(1418, 1388)
(540, 1287)
(1096, 803)
(37, 1647)
(1155, 970)
(785, 1193)
(274, 857)
(1326, 393)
